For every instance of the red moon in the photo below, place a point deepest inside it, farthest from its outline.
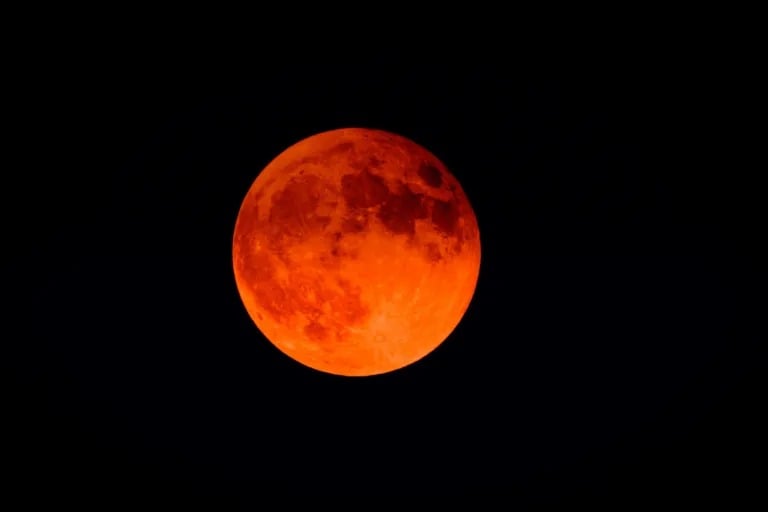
(356, 252)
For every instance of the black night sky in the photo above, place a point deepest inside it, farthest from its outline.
(612, 349)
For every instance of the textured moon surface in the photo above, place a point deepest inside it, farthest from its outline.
(356, 252)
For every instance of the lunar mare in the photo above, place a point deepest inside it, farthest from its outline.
(356, 252)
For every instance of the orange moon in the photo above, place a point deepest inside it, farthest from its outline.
(356, 252)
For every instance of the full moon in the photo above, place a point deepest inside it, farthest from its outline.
(356, 252)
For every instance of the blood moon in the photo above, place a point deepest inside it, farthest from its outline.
(356, 252)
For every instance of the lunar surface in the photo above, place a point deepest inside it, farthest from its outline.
(356, 252)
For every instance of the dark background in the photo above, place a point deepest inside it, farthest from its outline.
(612, 351)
